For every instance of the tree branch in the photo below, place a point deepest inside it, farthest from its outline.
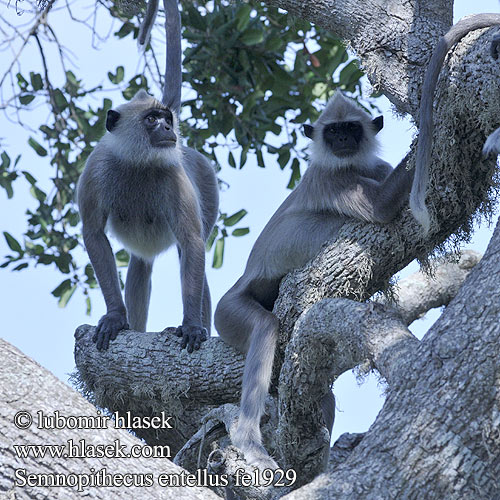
(438, 423)
(422, 292)
(145, 373)
(27, 387)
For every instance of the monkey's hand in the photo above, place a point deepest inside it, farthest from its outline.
(192, 336)
(108, 327)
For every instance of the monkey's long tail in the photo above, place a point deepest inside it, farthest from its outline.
(424, 146)
(147, 24)
(173, 67)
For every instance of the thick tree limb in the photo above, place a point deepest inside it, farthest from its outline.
(334, 336)
(393, 39)
(420, 292)
(189, 385)
(146, 373)
(26, 386)
(436, 433)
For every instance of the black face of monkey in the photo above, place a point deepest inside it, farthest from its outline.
(159, 125)
(344, 138)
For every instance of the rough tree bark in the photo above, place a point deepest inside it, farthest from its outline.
(435, 434)
(27, 387)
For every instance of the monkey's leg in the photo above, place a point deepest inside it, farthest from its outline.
(244, 323)
(138, 292)
(192, 259)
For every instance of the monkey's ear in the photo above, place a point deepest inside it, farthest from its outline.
(112, 119)
(308, 130)
(378, 123)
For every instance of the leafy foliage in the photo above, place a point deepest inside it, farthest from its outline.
(255, 74)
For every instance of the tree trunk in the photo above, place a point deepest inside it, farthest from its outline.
(28, 389)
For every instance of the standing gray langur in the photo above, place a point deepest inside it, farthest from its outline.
(492, 144)
(151, 193)
(346, 179)
(426, 125)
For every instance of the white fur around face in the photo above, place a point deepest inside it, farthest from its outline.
(129, 140)
(340, 109)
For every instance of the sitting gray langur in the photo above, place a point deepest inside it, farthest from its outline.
(151, 192)
(346, 179)
(492, 144)
(426, 125)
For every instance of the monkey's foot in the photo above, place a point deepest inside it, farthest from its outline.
(192, 336)
(255, 454)
(107, 329)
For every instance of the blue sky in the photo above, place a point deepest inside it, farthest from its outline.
(33, 322)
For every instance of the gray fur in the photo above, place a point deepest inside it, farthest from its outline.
(173, 74)
(150, 192)
(147, 24)
(332, 190)
(492, 144)
(424, 146)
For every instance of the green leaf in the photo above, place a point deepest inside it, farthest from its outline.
(252, 37)
(13, 243)
(283, 158)
(5, 161)
(218, 253)
(231, 161)
(26, 99)
(20, 267)
(60, 100)
(61, 288)
(127, 28)
(21, 82)
(36, 81)
(29, 178)
(122, 258)
(65, 296)
(295, 177)
(243, 17)
(241, 231)
(38, 194)
(40, 150)
(235, 218)
(211, 238)
(118, 76)
(350, 75)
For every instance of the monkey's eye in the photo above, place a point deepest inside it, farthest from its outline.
(151, 119)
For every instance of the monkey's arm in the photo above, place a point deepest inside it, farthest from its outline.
(102, 259)
(385, 199)
(192, 260)
(185, 222)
